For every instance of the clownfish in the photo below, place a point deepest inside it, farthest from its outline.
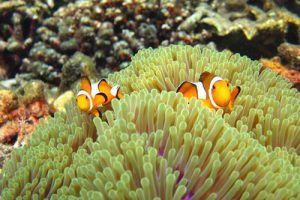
(92, 95)
(212, 90)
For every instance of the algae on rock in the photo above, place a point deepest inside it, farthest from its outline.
(78, 65)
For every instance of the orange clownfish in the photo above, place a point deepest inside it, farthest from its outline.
(212, 90)
(93, 95)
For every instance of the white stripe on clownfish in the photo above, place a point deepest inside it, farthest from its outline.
(114, 90)
(94, 95)
(94, 89)
(212, 90)
(83, 92)
(201, 93)
(212, 83)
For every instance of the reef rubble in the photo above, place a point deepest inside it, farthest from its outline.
(110, 32)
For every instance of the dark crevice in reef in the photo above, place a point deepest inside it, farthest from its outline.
(255, 49)
(291, 5)
(292, 34)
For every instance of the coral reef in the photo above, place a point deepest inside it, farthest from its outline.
(275, 64)
(291, 54)
(5, 151)
(20, 112)
(77, 66)
(154, 144)
(8, 102)
(261, 30)
(19, 20)
(110, 32)
(32, 91)
(20, 123)
(60, 103)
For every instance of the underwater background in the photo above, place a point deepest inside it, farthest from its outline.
(153, 143)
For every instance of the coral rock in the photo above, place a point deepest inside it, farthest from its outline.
(32, 91)
(19, 21)
(275, 64)
(60, 103)
(22, 122)
(4, 154)
(78, 65)
(8, 102)
(290, 53)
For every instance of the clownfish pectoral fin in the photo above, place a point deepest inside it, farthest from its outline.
(235, 92)
(104, 87)
(96, 113)
(99, 99)
(119, 94)
(206, 103)
(188, 89)
(85, 84)
(233, 96)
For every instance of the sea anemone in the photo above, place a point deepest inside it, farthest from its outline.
(267, 108)
(155, 144)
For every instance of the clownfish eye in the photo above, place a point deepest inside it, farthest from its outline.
(85, 97)
(213, 87)
(227, 84)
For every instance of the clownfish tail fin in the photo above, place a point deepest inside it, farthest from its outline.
(181, 88)
(119, 94)
(188, 89)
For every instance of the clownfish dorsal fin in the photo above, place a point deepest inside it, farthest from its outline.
(104, 87)
(206, 78)
(99, 99)
(85, 84)
(188, 89)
